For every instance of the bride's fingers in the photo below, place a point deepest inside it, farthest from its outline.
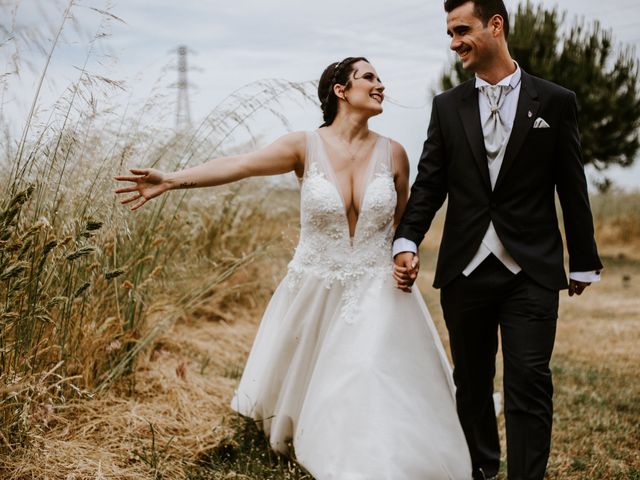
(131, 199)
(401, 277)
(403, 282)
(127, 178)
(139, 204)
(400, 274)
(133, 188)
(139, 171)
(404, 272)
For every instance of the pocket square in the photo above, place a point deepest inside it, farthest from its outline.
(540, 123)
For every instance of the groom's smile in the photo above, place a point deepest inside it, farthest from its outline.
(463, 52)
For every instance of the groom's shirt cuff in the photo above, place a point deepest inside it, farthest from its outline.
(588, 277)
(404, 245)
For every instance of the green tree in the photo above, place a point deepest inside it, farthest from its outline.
(581, 58)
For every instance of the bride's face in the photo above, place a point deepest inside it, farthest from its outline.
(366, 91)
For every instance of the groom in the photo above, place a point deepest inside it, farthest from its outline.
(499, 146)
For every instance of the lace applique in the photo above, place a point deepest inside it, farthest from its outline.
(327, 251)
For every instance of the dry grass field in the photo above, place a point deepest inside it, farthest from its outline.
(170, 419)
(155, 421)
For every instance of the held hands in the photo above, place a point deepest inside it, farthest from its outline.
(405, 270)
(407, 265)
(149, 183)
(576, 287)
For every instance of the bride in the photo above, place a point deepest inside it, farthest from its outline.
(344, 363)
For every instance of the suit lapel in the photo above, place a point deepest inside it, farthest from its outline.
(525, 116)
(470, 116)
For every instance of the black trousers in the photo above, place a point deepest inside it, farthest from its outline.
(492, 298)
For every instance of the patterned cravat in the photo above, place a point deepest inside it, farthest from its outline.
(495, 131)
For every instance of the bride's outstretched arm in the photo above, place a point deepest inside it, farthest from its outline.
(284, 155)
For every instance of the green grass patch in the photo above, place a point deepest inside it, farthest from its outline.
(596, 434)
(245, 454)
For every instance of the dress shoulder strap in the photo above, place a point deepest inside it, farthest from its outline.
(317, 160)
(383, 154)
(388, 153)
(311, 151)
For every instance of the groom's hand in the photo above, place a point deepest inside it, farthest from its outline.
(405, 270)
(576, 287)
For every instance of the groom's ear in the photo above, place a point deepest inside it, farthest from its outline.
(496, 24)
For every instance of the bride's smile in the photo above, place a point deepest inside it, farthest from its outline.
(364, 91)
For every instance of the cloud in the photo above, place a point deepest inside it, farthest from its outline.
(234, 43)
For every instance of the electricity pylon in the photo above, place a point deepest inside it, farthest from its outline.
(183, 111)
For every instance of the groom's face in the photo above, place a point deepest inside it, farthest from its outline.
(470, 38)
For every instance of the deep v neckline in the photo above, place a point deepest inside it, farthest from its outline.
(334, 181)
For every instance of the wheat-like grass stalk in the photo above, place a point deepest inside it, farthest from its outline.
(79, 274)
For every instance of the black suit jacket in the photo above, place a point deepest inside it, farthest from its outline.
(537, 163)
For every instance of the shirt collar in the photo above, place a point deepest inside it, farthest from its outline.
(512, 79)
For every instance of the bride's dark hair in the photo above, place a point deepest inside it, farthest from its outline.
(335, 74)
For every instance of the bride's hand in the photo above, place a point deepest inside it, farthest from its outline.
(405, 270)
(149, 183)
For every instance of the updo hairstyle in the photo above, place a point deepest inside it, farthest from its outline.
(337, 73)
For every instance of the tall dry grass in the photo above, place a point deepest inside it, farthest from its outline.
(617, 221)
(85, 285)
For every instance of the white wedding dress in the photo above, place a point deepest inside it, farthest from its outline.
(345, 364)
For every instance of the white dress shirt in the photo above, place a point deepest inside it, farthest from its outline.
(491, 242)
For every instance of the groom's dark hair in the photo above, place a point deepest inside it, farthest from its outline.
(484, 10)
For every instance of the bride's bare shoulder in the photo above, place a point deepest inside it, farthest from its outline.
(295, 138)
(294, 142)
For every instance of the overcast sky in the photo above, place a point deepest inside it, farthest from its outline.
(234, 43)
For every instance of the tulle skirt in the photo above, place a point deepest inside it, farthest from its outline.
(370, 397)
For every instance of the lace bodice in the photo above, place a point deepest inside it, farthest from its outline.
(326, 250)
